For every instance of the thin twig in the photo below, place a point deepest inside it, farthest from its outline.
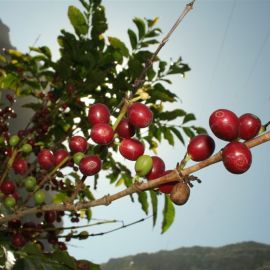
(141, 79)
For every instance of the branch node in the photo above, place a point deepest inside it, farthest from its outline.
(107, 200)
(136, 187)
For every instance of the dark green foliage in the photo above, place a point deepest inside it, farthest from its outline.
(244, 256)
(57, 260)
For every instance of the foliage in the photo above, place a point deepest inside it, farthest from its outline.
(94, 68)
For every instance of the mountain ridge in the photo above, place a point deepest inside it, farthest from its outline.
(239, 256)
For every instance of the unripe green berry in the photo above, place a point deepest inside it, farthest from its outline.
(39, 197)
(13, 140)
(27, 148)
(10, 201)
(77, 157)
(143, 165)
(30, 183)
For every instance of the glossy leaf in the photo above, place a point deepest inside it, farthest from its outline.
(142, 197)
(171, 115)
(159, 92)
(189, 117)
(154, 202)
(178, 134)
(140, 26)
(77, 20)
(188, 131)
(168, 214)
(118, 44)
(43, 50)
(168, 136)
(132, 39)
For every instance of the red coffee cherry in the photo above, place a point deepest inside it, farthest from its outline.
(20, 166)
(18, 240)
(50, 216)
(78, 144)
(90, 165)
(60, 155)
(125, 129)
(131, 148)
(102, 134)
(236, 157)
(158, 168)
(98, 113)
(46, 159)
(249, 126)
(201, 147)
(139, 115)
(167, 188)
(224, 124)
(8, 187)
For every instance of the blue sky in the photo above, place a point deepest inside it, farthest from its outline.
(227, 45)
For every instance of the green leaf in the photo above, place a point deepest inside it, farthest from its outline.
(171, 115)
(118, 44)
(143, 201)
(199, 130)
(151, 73)
(89, 195)
(77, 20)
(159, 92)
(141, 26)
(99, 23)
(132, 39)
(43, 50)
(189, 117)
(154, 202)
(168, 214)
(88, 214)
(152, 22)
(178, 67)
(168, 135)
(84, 3)
(188, 132)
(178, 134)
(9, 81)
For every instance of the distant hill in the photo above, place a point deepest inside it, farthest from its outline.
(242, 256)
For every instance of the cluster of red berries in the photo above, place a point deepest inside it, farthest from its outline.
(102, 133)
(225, 125)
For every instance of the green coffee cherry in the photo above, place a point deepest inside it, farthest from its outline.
(143, 165)
(39, 197)
(30, 183)
(10, 201)
(77, 157)
(26, 148)
(13, 140)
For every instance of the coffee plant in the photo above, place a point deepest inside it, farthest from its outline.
(100, 100)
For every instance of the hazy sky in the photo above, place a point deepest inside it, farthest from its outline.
(227, 45)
